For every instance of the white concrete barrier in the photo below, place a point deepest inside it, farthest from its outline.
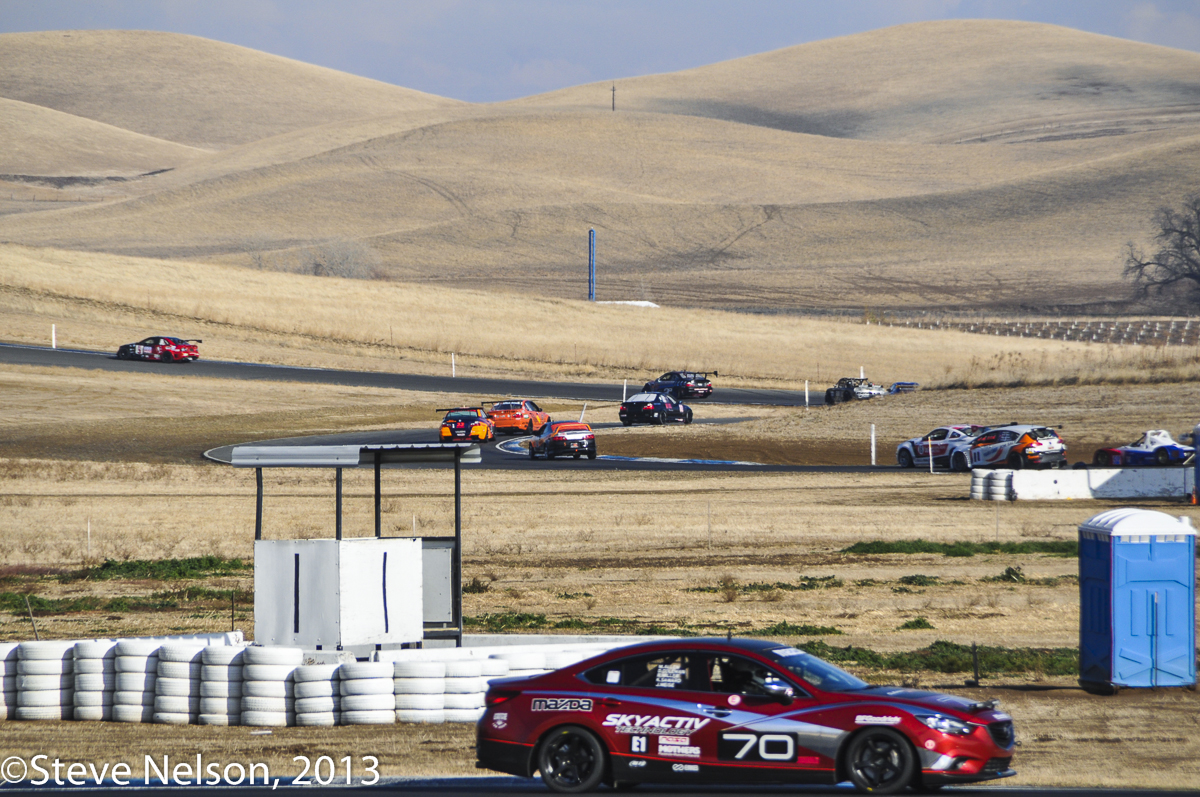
(1060, 485)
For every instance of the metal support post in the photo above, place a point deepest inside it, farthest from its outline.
(378, 521)
(339, 504)
(456, 567)
(258, 510)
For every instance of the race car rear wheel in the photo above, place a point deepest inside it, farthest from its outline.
(532, 454)
(571, 760)
(880, 761)
(1102, 458)
(1016, 461)
(591, 455)
(687, 418)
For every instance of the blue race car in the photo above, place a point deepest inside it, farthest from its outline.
(1155, 447)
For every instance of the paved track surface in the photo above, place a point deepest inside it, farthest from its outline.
(519, 787)
(516, 458)
(219, 369)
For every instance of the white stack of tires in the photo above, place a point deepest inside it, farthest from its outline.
(465, 688)
(137, 673)
(46, 680)
(523, 663)
(318, 695)
(420, 691)
(492, 669)
(367, 693)
(95, 679)
(221, 669)
(177, 690)
(8, 669)
(268, 686)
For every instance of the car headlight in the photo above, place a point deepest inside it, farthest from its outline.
(946, 724)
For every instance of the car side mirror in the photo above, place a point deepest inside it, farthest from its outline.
(781, 692)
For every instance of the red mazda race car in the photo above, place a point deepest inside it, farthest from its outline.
(161, 349)
(706, 711)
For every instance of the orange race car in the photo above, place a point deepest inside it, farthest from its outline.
(467, 423)
(518, 415)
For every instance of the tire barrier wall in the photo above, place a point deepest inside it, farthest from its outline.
(219, 680)
(1061, 485)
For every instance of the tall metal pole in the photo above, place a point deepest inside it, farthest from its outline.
(378, 521)
(456, 569)
(258, 511)
(339, 503)
(591, 265)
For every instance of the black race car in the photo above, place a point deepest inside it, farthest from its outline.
(681, 384)
(657, 408)
(564, 439)
(162, 349)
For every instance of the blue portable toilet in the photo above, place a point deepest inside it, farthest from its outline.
(1137, 600)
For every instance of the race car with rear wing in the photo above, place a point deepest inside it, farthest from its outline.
(1018, 446)
(1155, 447)
(706, 711)
(564, 439)
(518, 415)
(656, 408)
(161, 349)
(681, 384)
(466, 423)
(949, 446)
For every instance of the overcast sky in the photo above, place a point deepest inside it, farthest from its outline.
(487, 50)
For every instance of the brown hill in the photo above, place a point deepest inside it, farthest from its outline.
(723, 212)
(186, 89)
(928, 81)
(40, 142)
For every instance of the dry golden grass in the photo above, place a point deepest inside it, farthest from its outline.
(779, 181)
(187, 89)
(287, 318)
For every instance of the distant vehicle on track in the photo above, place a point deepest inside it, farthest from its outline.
(564, 438)
(1018, 446)
(658, 408)
(466, 423)
(161, 349)
(1155, 447)
(518, 415)
(950, 447)
(709, 711)
(851, 388)
(681, 384)
(903, 387)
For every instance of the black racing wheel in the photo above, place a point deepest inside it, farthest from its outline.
(880, 761)
(571, 760)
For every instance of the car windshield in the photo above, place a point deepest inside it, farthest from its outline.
(820, 674)
(643, 397)
(507, 405)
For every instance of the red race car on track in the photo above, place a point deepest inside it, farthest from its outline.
(161, 349)
(706, 711)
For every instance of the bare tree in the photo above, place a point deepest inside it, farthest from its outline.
(1176, 265)
(344, 258)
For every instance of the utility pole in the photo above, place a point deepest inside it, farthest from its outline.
(614, 93)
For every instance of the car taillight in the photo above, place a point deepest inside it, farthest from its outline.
(495, 697)
(648, 407)
(559, 438)
(589, 437)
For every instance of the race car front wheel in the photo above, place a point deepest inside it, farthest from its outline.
(880, 761)
(1162, 456)
(571, 760)
(904, 458)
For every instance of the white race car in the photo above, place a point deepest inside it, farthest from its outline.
(949, 445)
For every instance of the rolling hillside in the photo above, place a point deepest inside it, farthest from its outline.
(779, 181)
(186, 89)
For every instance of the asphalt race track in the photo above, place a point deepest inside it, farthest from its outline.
(522, 787)
(516, 458)
(219, 369)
